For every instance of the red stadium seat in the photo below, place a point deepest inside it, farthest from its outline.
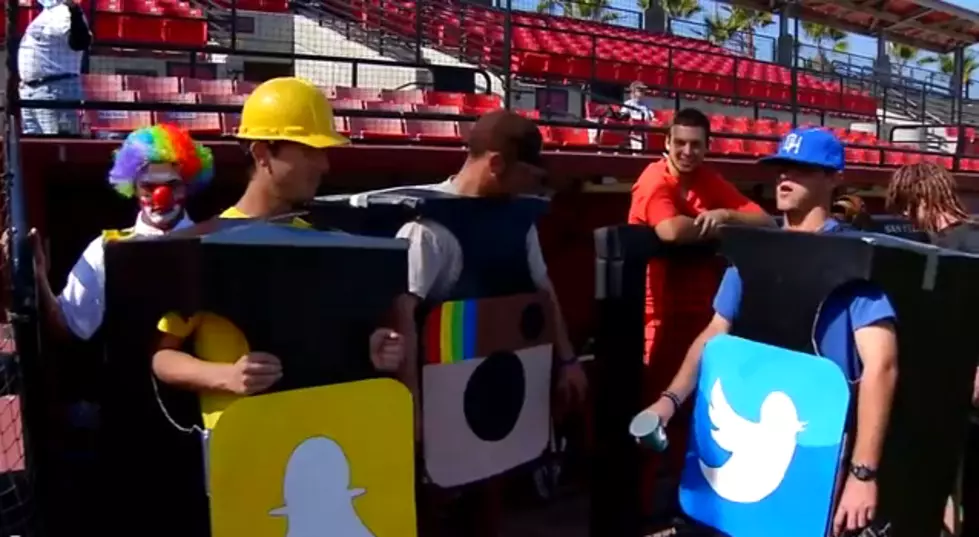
(244, 87)
(616, 137)
(437, 109)
(445, 98)
(142, 22)
(363, 94)
(193, 122)
(99, 82)
(110, 95)
(372, 128)
(347, 104)
(571, 136)
(483, 101)
(388, 106)
(341, 124)
(116, 120)
(432, 131)
(403, 96)
(229, 99)
(208, 87)
(154, 97)
(158, 85)
(229, 123)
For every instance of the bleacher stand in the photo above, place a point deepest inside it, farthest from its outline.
(750, 98)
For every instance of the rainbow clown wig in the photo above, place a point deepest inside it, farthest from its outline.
(160, 144)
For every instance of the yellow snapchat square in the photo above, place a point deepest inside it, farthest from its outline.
(332, 460)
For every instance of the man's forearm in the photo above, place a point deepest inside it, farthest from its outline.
(184, 371)
(874, 400)
(745, 218)
(679, 229)
(685, 380)
(50, 308)
(562, 341)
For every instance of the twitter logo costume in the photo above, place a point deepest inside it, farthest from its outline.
(767, 438)
(798, 298)
(780, 373)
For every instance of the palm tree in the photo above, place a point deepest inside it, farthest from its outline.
(719, 28)
(946, 64)
(594, 10)
(674, 9)
(736, 23)
(902, 55)
(821, 34)
(747, 21)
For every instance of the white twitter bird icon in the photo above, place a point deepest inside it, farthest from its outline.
(760, 452)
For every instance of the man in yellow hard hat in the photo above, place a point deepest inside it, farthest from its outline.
(286, 127)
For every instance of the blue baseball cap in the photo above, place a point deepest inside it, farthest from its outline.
(809, 147)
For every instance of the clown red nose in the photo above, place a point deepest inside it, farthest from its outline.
(162, 200)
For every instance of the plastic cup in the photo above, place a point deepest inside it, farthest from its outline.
(647, 429)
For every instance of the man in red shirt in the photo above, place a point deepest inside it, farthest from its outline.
(685, 201)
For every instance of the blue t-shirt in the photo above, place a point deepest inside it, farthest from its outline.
(856, 306)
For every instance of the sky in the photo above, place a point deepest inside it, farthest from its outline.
(858, 45)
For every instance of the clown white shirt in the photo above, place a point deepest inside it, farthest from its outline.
(82, 301)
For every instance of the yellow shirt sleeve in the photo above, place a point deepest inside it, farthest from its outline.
(176, 325)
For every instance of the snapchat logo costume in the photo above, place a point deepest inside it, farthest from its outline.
(342, 464)
(234, 286)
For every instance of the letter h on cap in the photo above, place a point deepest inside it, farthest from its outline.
(792, 144)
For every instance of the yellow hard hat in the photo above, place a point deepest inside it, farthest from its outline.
(289, 109)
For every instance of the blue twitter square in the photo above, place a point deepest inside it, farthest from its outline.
(766, 440)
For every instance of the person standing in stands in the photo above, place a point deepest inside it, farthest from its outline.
(925, 193)
(49, 62)
(160, 165)
(504, 160)
(286, 128)
(684, 200)
(856, 328)
(639, 106)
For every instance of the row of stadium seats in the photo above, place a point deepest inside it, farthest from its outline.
(227, 92)
(103, 83)
(147, 21)
(733, 124)
(129, 88)
(573, 49)
(397, 130)
(142, 21)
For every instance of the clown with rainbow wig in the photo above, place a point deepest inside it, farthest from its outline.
(160, 166)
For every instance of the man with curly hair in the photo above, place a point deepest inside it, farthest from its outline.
(160, 166)
(926, 194)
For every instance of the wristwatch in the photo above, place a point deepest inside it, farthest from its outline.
(863, 473)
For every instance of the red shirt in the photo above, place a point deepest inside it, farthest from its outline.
(657, 196)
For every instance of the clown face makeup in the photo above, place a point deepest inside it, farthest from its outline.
(161, 195)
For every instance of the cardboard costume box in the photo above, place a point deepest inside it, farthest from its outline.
(787, 277)
(311, 298)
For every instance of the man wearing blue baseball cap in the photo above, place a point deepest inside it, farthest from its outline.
(855, 328)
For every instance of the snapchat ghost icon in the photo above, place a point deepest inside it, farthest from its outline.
(333, 460)
(317, 492)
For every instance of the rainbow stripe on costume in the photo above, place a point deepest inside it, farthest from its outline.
(450, 333)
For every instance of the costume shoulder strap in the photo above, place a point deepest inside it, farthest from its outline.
(117, 234)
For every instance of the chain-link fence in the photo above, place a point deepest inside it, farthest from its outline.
(20, 408)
